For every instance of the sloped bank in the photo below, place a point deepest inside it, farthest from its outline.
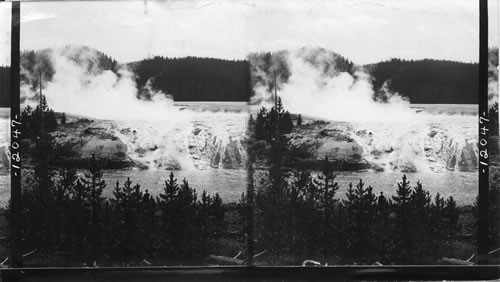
(309, 144)
(75, 143)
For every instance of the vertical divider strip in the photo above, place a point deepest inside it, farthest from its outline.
(483, 201)
(15, 133)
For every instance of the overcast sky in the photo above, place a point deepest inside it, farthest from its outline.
(364, 31)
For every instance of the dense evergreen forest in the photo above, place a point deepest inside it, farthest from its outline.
(195, 79)
(429, 81)
(209, 79)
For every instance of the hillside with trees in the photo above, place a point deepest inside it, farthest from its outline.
(428, 81)
(210, 79)
(195, 79)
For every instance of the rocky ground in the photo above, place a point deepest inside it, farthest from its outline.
(310, 143)
(76, 142)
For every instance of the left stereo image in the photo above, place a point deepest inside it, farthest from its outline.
(129, 158)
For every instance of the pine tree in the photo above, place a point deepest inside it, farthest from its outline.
(95, 185)
(260, 125)
(63, 118)
(26, 122)
(403, 224)
(80, 214)
(128, 210)
(150, 227)
(420, 209)
(43, 189)
(286, 124)
(204, 221)
(310, 214)
(242, 208)
(327, 189)
(44, 106)
(361, 207)
(187, 215)
(168, 202)
(451, 215)
(179, 208)
(50, 120)
(403, 193)
(437, 217)
(217, 210)
(36, 121)
(62, 205)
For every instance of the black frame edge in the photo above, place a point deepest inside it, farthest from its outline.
(15, 171)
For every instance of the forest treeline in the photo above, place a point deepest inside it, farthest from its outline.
(209, 79)
(428, 81)
(68, 214)
(195, 79)
(305, 218)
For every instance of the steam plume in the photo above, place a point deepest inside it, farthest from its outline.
(317, 87)
(79, 85)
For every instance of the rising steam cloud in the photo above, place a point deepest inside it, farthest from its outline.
(79, 85)
(317, 87)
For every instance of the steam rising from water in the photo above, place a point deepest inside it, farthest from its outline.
(317, 88)
(82, 87)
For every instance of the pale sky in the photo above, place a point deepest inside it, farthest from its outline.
(364, 31)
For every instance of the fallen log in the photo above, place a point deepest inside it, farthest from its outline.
(4, 261)
(494, 252)
(455, 261)
(146, 262)
(223, 260)
(471, 258)
(256, 255)
(310, 262)
(30, 253)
